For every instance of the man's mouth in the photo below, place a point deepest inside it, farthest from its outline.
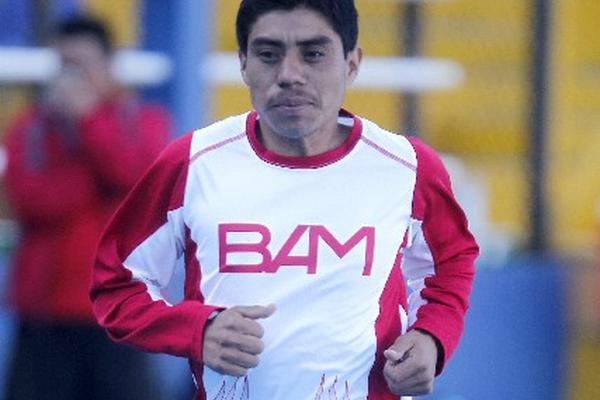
(292, 101)
(292, 104)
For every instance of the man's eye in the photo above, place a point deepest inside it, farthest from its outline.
(268, 56)
(313, 55)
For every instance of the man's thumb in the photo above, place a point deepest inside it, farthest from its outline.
(257, 312)
(399, 351)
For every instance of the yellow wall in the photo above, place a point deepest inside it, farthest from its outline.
(487, 120)
(484, 121)
(574, 154)
(574, 141)
(122, 17)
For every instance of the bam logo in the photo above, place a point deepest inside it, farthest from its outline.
(270, 263)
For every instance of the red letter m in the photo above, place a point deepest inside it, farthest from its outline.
(366, 233)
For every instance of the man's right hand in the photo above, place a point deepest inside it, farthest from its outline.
(232, 341)
(72, 94)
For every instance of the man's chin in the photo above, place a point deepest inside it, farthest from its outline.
(293, 128)
(293, 133)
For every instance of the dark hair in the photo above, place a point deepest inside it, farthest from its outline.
(85, 26)
(341, 15)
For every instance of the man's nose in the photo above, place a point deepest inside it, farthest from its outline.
(291, 71)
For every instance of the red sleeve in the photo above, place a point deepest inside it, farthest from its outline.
(136, 259)
(440, 258)
(122, 139)
(48, 192)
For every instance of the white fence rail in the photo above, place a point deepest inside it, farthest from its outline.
(134, 67)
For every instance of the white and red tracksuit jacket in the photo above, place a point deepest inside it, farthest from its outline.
(330, 239)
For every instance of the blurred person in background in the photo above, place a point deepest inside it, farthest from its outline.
(72, 157)
(299, 224)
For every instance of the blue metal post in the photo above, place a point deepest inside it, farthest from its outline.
(183, 30)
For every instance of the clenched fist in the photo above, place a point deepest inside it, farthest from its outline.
(232, 341)
(410, 364)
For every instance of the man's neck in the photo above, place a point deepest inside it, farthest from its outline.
(318, 142)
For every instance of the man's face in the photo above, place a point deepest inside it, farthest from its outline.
(85, 56)
(297, 72)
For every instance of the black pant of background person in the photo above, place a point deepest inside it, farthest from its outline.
(58, 362)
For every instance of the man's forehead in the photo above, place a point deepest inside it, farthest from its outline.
(81, 43)
(297, 25)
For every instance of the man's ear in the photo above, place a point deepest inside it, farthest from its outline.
(353, 59)
(243, 60)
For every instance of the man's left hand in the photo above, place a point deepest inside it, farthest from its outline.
(410, 364)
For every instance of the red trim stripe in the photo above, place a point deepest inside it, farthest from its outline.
(193, 273)
(216, 146)
(387, 154)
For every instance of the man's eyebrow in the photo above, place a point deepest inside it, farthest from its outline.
(264, 41)
(314, 41)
